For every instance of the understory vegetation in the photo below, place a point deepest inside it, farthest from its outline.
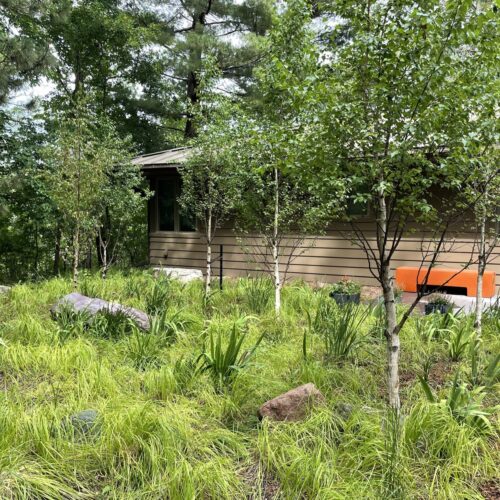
(177, 406)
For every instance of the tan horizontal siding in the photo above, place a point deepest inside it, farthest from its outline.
(330, 258)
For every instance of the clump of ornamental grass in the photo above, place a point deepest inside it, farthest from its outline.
(341, 328)
(158, 295)
(257, 293)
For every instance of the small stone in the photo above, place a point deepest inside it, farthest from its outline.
(85, 422)
(4, 289)
(292, 405)
(344, 410)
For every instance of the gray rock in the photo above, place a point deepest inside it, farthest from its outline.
(292, 405)
(182, 274)
(344, 410)
(85, 422)
(81, 303)
(4, 289)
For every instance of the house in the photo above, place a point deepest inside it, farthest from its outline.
(175, 242)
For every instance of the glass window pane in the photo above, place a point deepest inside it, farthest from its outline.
(166, 203)
(187, 220)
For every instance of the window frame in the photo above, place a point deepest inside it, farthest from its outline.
(176, 178)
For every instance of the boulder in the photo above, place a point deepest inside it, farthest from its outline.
(85, 422)
(292, 405)
(4, 289)
(182, 274)
(92, 306)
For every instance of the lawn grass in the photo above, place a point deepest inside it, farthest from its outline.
(167, 430)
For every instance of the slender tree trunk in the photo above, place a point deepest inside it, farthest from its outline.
(391, 333)
(481, 266)
(57, 251)
(76, 255)
(393, 345)
(104, 267)
(208, 274)
(36, 248)
(276, 259)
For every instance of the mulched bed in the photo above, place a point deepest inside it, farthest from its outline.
(490, 490)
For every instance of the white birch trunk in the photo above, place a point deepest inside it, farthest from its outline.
(208, 274)
(104, 271)
(276, 258)
(76, 255)
(391, 333)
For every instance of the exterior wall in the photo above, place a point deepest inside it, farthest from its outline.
(330, 257)
(327, 258)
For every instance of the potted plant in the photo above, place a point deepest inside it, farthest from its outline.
(438, 303)
(345, 291)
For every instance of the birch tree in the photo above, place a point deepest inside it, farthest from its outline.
(396, 104)
(210, 188)
(86, 166)
(290, 199)
(212, 178)
(73, 181)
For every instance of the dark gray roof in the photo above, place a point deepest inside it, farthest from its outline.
(167, 158)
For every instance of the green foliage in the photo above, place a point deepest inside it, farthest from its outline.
(165, 431)
(111, 325)
(346, 286)
(340, 328)
(258, 293)
(465, 405)
(144, 349)
(460, 337)
(224, 363)
(439, 299)
(158, 295)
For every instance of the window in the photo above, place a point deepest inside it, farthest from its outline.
(171, 216)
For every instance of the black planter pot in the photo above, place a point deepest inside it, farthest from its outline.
(437, 308)
(345, 298)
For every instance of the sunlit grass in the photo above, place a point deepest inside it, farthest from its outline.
(168, 430)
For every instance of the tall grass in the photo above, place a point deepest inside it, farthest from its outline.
(169, 429)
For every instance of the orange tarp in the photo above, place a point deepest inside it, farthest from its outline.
(408, 279)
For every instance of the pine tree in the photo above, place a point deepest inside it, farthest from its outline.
(192, 30)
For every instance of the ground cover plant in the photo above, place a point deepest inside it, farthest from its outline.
(177, 406)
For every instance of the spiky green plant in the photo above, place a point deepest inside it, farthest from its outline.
(465, 405)
(460, 336)
(143, 349)
(258, 292)
(158, 294)
(342, 331)
(224, 362)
